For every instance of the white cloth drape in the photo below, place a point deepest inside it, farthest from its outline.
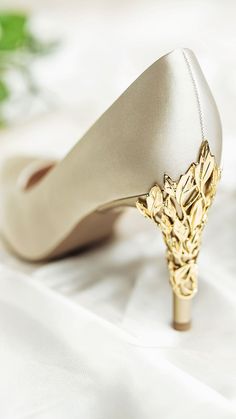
(89, 336)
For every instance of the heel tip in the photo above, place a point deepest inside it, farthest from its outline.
(182, 327)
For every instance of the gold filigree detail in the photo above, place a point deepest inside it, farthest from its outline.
(180, 210)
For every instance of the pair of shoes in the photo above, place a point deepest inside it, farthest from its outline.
(157, 149)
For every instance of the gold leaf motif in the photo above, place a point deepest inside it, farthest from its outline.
(196, 214)
(184, 279)
(155, 200)
(169, 186)
(165, 224)
(180, 230)
(205, 166)
(141, 207)
(179, 274)
(205, 149)
(180, 209)
(185, 187)
(216, 175)
(169, 208)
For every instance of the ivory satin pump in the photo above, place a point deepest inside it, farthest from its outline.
(157, 149)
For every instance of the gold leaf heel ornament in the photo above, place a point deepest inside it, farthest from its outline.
(180, 210)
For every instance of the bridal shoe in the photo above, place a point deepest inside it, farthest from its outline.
(157, 149)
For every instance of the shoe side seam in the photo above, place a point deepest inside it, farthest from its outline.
(197, 95)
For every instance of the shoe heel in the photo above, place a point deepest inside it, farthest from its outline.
(180, 210)
(181, 313)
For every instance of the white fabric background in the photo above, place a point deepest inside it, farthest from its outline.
(89, 336)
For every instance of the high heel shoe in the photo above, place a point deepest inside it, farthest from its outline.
(157, 148)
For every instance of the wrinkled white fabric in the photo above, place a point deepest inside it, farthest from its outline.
(104, 347)
(89, 336)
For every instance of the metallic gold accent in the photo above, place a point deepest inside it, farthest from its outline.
(180, 210)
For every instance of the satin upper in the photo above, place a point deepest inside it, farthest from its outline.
(156, 126)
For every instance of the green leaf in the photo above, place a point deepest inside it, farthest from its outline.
(4, 91)
(13, 31)
(18, 48)
(15, 35)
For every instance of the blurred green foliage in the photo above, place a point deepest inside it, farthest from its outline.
(14, 32)
(4, 92)
(18, 46)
